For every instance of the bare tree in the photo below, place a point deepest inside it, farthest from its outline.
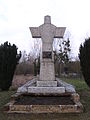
(62, 51)
(36, 49)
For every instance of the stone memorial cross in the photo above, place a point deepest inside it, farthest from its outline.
(47, 32)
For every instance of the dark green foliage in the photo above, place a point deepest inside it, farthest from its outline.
(84, 57)
(64, 51)
(8, 61)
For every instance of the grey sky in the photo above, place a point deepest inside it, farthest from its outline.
(16, 16)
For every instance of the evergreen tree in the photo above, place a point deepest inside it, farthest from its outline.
(84, 57)
(8, 61)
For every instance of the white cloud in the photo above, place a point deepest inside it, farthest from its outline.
(16, 16)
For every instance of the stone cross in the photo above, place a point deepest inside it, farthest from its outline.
(47, 32)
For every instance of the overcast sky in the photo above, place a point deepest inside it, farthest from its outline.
(16, 16)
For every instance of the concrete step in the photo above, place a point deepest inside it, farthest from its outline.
(46, 90)
(44, 83)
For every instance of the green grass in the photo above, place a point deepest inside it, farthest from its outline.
(78, 83)
(81, 88)
(5, 97)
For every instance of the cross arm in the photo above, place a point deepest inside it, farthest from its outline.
(35, 32)
(59, 32)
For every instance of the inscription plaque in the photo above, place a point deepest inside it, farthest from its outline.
(47, 55)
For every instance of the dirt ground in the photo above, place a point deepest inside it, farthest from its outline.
(19, 80)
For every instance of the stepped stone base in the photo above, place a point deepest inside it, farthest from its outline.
(46, 83)
(35, 106)
(36, 83)
(38, 88)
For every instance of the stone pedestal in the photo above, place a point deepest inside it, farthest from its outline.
(47, 72)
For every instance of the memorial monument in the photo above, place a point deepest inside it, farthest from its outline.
(46, 94)
(47, 32)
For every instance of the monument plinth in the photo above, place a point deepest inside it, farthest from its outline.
(46, 94)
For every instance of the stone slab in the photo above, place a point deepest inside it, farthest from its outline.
(46, 83)
(68, 87)
(47, 71)
(45, 109)
(33, 83)
(23, 88)
(46, 90)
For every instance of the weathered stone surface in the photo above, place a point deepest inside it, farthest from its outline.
(7, 106)
(36, 83)
(68, 87)
(75, 97)
(68, 108)
(45, 109)
(47, 32)
(20, 107)
(46, 90)
(24, 88)
(46, 83)
(79, 107)
(47, 71)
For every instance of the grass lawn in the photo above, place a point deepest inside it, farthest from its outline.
(81, 88)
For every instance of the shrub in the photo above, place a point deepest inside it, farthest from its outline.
(8, 61)
(84, 57)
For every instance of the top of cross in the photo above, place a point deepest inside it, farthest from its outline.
(49, 30)
(47, 19)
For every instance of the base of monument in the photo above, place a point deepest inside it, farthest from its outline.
(35, 85)
(45, 104)
(32, 99)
